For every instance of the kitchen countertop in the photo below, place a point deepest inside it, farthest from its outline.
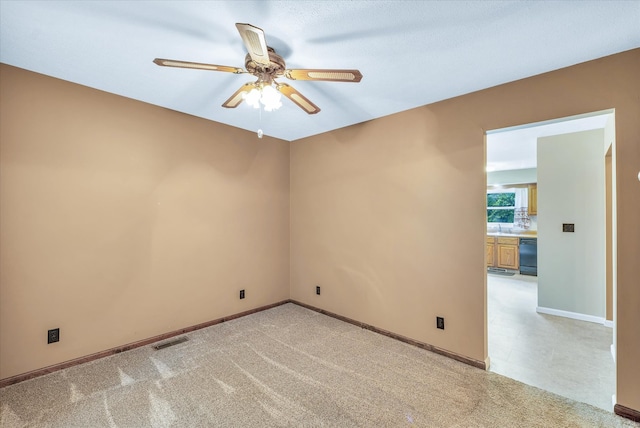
(516, 234)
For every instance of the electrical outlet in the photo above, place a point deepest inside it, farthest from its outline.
(242, 294)
(440, 322)
(53, 336)
(318, 290)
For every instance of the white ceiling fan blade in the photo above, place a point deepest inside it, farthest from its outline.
(255, 42)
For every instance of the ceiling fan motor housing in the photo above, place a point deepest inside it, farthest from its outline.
(274, 69)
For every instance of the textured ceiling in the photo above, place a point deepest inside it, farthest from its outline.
(411, 53)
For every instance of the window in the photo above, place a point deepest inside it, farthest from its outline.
(501, 207)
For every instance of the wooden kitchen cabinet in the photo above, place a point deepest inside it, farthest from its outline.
(533, 199)
(507, 253)
(491, 251)
(503, 252)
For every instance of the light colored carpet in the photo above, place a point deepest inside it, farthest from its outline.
(287, 366)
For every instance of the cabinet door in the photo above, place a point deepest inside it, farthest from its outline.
(491, 251)
(508, 256)
(533, 199)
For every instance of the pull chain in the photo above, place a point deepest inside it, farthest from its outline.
(260, 133)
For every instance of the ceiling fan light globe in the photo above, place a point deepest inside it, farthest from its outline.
(270, 98)
(252, 98)
(272, 107)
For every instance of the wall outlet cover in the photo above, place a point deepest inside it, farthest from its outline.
(318, 290)
(242, 294)
(53, 336)
(440, 323)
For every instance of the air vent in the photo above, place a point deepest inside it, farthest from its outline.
(171, 343)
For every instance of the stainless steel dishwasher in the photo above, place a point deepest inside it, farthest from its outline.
(529, 256)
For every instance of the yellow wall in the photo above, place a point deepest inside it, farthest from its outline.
(389, 216)
(120, 221)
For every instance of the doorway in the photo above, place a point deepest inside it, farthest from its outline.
(559, 345)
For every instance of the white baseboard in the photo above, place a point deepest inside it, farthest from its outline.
(613, 352)
(613, 400)
(608, 323)
(567, 314)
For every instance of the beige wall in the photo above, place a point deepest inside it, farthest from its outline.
(120, 220)
(376, 221)
(389, 216)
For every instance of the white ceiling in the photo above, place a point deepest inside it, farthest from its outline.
(411, 53)
(516, 148)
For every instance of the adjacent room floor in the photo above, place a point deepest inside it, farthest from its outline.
(568, 357)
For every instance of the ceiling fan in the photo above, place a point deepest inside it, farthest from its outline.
(263, 62)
